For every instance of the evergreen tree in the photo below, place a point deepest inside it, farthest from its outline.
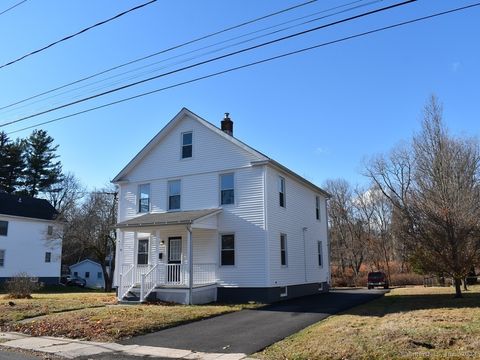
(12, 164)
(41, 171)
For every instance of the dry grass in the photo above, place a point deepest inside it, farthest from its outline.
(44, 304)
(418, 322)
(120, 321)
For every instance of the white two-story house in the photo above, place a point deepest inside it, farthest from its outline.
(29, 239)
(204, 217)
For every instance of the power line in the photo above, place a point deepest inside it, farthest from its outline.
(208, 61)
(203, 54)
(76, 34)
(12, 7)
(164, 51)
(251, 64)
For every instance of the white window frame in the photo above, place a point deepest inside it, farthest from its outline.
(282, 190)
(220, 188)
(50, 230)
(183, 145)
(6, 222)
(2, 257)
(234, 249)
(99, 274)
(169, 195)
(284, 293)
(139, 194)
(147, 252)
(283, 237)
(320, 253)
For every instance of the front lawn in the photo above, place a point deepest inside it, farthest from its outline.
(12, 310)
(420, 323)
(120, 321)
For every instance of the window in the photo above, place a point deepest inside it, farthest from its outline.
(281, 191)
(174, 195)
(227, 192)
(3, 228)
(87, 274)
(2, 258)
(48, 257)
(317, 207)
(142, 253)
(283, 249)
(75, 273)
(283, 291)
(187, 147)
(143, 198)
(50, 230)
(228, 250)
(99, 275)
(320, 254)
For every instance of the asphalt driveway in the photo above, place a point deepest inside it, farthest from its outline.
(249, 331)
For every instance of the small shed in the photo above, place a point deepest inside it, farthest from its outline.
(91, 271)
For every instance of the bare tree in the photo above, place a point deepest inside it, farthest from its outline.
(347, 229)
(434, 185)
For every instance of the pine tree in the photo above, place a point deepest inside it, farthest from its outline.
(42, 171)
(12, 164)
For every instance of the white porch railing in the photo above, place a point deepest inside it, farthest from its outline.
(147, 277)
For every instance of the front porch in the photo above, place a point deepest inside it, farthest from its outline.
(173, 257)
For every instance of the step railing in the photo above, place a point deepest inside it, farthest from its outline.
(148, 282)
(126, 280)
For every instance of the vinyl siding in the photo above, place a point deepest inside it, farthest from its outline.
(298, 213)
(200, 189)
(25, 246)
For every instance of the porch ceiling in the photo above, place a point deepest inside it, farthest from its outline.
(190, 217)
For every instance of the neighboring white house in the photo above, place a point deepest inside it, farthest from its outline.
(254, 229)
(29, 240)
(89, 270)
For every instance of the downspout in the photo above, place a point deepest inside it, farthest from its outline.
(304, 230)
(190, 265)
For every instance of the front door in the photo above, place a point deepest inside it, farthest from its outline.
(174, 259)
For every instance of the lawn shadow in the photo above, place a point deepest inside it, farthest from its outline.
(373, 303)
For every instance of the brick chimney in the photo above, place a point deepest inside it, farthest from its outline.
(227, 124)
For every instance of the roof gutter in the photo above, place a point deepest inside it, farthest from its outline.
(280, 167)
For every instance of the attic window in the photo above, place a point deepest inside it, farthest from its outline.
(187, 141)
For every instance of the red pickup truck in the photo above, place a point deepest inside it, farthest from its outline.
(377, 278)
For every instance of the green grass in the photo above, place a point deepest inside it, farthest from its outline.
(420, 323)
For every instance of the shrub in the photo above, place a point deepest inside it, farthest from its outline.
(21, 286)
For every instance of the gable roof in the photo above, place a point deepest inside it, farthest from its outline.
(85, 261)
(263, 159)
(166, 130)
(26, 206)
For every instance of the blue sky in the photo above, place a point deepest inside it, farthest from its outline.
(320, 113)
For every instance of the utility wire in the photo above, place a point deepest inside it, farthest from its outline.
(209, 61)
(164, 51)
(76, 34)
(12, 7)
(201, 55)
(358, 35)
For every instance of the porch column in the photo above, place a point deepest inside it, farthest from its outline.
(135, 247)
(190, 265)
(157, 246)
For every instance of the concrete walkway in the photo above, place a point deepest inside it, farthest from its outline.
(71, 349)
(226, 337)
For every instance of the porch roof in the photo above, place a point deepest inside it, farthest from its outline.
(168, 218)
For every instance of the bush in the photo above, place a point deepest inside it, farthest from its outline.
(21, 286)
